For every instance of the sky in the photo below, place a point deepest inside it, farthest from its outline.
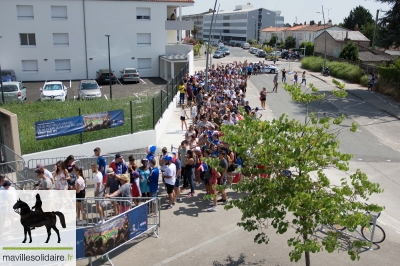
(304, 10)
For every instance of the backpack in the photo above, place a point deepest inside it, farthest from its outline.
(208, 173)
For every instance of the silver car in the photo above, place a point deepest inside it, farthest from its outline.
(89, 89)
(14, 91)
(130, 74)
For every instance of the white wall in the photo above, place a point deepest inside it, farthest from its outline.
(116, 18)
(11, 52)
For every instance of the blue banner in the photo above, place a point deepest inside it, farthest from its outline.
(59, 127)
(78, 124)
(101, 239)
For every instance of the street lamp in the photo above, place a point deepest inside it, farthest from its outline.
(255, 29)
(323, 16)
(109, 65)
(208, 45)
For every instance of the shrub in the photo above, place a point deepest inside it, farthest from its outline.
(349, 52)
(313, 63)
(201, 41)
(196, 49)
(388, 88)
(389, 73)
(364, 80)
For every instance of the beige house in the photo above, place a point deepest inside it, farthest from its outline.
(336, 40)
(302, 32)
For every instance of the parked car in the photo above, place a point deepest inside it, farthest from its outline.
(130, 74)
(225, 50)
(54, 90)
(14, 91)
(102, 76)
(8, 75)
(246, 45)
(89, 89)
(261, 53)
(218, 54)
(253, 50)
(285, 55)
(238, 44)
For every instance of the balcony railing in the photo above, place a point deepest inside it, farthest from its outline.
(179, 25)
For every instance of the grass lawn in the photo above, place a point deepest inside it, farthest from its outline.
(29, 113)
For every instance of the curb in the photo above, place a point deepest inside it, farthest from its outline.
(357, 96)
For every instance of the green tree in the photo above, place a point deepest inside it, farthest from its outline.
(390, 34)
(360, 16)
(290, 42)
(368, 31)
(288, 25)
(195, 31)
(349, 52)
(273, 41)
(251, 41)
(307, 199)
(309, 47)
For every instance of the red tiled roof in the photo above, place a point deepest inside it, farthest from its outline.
(274, 29)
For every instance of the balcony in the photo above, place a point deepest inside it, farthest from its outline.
(178, 25)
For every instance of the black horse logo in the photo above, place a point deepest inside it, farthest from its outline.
(38, 218)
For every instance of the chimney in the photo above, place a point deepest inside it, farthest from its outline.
(305, 23)
(329, 22)
(312, 22)
(347, 36)
(319, 23)
(294, 24)
(356, 27)
(210, 10)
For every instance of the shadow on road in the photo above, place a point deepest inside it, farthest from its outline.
(230, 261)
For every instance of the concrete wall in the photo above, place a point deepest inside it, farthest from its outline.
(10, 132)
(178, 49)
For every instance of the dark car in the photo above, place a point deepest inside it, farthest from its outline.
(8, 75)
(102, 76)
(285, 55)
(261, 53)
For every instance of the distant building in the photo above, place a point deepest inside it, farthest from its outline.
(336, 40)
(242, 24)
(198, 21)
(301, 32)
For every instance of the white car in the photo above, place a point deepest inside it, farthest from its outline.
(268, 68)
(253, 50)
(53, 91)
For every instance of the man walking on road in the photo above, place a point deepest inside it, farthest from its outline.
(283, 75)
(275, 83)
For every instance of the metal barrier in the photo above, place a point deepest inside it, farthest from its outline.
(153, 221)
(28, 184)
(12, 165)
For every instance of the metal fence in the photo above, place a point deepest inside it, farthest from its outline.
(167, 94)
(12, 165)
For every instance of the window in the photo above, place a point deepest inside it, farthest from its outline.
(63, 65)
(60, 39)
(144, 63)
(144, 39)
(143, 13)
(59, 12)
(25, 12)
(27, 38)
(30, 66)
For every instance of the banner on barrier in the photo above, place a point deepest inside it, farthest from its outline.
(101, 239)
(78, 124)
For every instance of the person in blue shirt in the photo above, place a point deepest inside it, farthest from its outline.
(101, 162)
(118, 165)
(153, 185)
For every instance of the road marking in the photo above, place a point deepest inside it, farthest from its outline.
(143, 81)
(185, 252)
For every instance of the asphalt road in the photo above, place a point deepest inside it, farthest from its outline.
(146, 86)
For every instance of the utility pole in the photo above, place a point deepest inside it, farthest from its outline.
(323, 16)
(376, 21)
(213, 32)
(208, 45)
(109, 65)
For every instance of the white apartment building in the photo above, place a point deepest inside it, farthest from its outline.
(65, 39)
